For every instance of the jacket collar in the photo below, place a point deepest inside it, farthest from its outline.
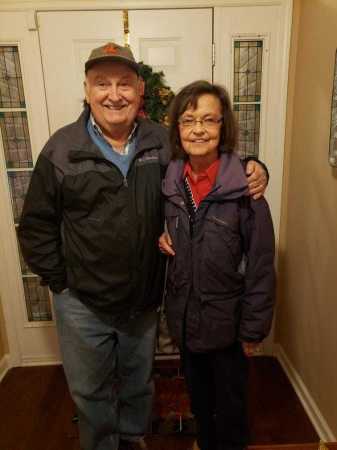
(84, 148)
(230, 183)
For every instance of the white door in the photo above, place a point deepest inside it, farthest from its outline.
(67, 38)
(178, 42)
(63, 56)
(170, 41)
(24, 130)
(250, 61)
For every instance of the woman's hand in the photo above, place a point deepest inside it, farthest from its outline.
(257, 179)
(251, 348)
(165, 244)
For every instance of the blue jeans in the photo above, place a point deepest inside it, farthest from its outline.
(108, 366)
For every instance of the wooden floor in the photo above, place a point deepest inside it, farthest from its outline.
(36, 412)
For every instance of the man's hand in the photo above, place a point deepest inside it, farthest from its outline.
(165, 244)
(257, 179)
(251, 348)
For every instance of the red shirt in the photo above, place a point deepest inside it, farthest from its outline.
(203, 183)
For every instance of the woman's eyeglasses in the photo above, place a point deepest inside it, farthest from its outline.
(207, 123)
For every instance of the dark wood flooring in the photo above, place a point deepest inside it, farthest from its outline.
(36, 411)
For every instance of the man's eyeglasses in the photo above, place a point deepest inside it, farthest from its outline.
(208, 123)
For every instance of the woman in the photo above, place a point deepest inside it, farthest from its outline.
(220, 284)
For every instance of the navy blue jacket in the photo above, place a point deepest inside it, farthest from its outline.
(221, 281)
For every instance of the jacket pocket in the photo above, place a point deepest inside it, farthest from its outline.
(219, 323)
(221, 253)
(220, 234)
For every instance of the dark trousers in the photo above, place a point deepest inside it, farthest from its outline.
(217, 382)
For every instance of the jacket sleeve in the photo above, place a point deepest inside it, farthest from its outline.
(259, 296)
(40, 226)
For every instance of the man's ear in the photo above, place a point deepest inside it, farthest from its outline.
(86, 91)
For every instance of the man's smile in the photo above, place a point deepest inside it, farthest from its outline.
(115, 107)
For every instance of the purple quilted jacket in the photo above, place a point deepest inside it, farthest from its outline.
(221, 282)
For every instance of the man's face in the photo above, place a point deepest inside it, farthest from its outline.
(113, 91)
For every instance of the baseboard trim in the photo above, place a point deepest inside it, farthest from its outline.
(311, 408)
(313, 446)
(4, 366)
(39, 361)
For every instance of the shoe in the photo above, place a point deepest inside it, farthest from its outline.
(140, 444)
(195, 446)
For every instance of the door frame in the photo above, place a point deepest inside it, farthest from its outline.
(31, 8)
(63, 5)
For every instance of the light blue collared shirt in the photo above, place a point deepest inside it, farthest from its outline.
(121, 160)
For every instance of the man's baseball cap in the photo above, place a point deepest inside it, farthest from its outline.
(112, 52)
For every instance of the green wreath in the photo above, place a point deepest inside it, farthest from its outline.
(157, 96)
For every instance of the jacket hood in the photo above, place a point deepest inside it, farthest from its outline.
(230, 183)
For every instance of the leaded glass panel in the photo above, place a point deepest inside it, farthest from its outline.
(15, 138)
(248, 117)
(18, 156)
(18, 183)
(24, 267)
(11, 86)
(37, 300)
(247, 70)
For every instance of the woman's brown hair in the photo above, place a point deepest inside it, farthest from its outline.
(188, 97)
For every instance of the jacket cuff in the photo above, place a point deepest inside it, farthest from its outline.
(250, 336)
(256, 341)
(56, 286)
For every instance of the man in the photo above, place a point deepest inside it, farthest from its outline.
(89, 229)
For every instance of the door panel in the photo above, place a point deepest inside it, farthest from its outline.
(170, 41)
(67, 38)
(24, 130)
(255, 77)
(262, 116)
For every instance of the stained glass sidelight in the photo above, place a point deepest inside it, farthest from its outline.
(247, 93)
(15, 138)
(11, 85)
(19, 163)
(37, 299)
(248, 117)
(24, 267)
(247, 71)
(18, 183)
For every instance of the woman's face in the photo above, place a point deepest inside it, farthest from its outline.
(200, 128)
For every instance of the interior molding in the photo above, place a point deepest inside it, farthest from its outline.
(311, 408)
(50, 5)
(4, 366)
(40, 361)
(312, 446)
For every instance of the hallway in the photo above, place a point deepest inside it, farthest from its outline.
(36, 410)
